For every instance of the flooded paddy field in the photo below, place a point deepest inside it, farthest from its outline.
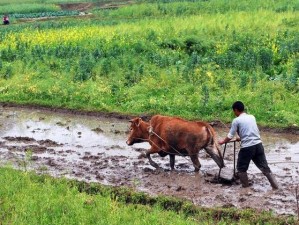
(94, 149)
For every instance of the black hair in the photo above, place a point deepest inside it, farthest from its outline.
(238, 105)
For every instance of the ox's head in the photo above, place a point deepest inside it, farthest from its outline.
(138, 131)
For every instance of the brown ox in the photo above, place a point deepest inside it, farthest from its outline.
(175, 136)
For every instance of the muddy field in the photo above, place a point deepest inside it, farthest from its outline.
(93, 149)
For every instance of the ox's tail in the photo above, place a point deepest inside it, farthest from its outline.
(213, 137)
(214, 147)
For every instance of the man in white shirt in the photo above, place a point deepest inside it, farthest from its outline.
(251, 145)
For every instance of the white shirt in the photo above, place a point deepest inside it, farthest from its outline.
(245, 126)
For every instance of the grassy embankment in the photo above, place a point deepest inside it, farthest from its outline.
(26, 198)
(191, 59)
(45, 2)
(32, 8)
(27, 8)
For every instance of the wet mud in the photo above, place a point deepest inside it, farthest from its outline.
(93, 149)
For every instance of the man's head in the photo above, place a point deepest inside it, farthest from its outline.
(238, 108)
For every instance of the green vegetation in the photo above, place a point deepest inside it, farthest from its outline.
(29, 199)
(3, 2)
(191, 59)
(27, 8)
(184, 58)
(44, 14)
(26, 198)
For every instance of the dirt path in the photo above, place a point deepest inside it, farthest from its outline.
(93, 148)
(76, 6)
(87, 6)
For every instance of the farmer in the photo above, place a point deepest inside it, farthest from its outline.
(5, 20)
(251, 145)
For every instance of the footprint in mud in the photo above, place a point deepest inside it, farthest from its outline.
(30, 148)
(34, 158)
(103, 166)
(182, 166)
(90, 157)
(97, 130)
(112, 147)
(51, 162)
(140, 149)
(19, 139)
(115, 131)
(242, 199)
(61, 124)
(49, 143)
(70, 151)
(180, 188)
(78, 174)
(86, 168)
(100, 177)
(13, 114)
(148, 170)
(228, 205)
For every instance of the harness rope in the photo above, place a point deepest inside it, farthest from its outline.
(151, 131)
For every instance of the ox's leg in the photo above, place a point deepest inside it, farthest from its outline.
(148, 155)
(196, 162)
(172, 161)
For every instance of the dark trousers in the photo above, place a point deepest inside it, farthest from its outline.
(255, 153)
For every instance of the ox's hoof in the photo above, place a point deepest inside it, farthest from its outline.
(196, 169)
(155, 165)
(159, 169)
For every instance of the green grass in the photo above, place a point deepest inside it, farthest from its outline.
(27, 198)
(50, 14)
(27, 8)
(190, 59)
(3, 2)
(187, 8)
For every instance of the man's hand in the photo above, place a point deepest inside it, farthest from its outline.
(225, 140)
(221, 142)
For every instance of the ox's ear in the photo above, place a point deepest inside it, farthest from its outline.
(138, 122)
(135, 121)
